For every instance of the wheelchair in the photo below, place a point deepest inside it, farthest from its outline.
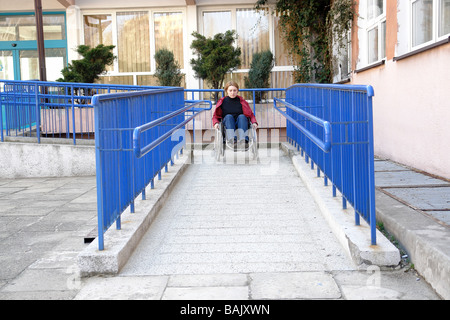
(221, 144)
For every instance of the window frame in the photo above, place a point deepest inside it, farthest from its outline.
(151, 14)
(233, 10)
(376, 22)
(17, 45)
(435, 26)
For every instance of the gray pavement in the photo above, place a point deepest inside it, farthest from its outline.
(200, 246)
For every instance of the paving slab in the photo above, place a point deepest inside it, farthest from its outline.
(36, 264)
(383, 165)
(405, 178)
(206, 293)
(123, 288)
(423, 198)
(373, 284)
(40, 236)
(294, 285)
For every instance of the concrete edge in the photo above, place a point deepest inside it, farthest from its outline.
(354, 239)
(425, 241)
(120, 244)
(24, 160)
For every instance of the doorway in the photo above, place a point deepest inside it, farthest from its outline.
(18, 46)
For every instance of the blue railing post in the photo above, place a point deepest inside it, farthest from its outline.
(38, 112)
(371, 164)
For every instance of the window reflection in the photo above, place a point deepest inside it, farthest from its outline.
(253, 34)
(375, 8)
(422, 22)
(23, 28)
(55, 61)
(216, 22)
(169, 34)
(133, 41)
(444, 17)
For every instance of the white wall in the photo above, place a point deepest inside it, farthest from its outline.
(24, 160)
(412, 110)
(28, 5)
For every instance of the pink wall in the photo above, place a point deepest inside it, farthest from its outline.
(412, 110)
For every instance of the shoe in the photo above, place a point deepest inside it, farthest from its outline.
(243, 145)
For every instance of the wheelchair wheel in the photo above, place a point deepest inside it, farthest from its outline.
(254, 147)
(218, 144)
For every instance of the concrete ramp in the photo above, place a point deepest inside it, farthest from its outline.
(235, 216)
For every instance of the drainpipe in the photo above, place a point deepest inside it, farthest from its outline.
(40, 40)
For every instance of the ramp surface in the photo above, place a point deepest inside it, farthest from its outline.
(238, 216)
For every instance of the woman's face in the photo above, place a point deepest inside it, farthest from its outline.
(232, 91)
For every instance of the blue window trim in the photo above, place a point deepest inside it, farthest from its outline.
(32, 44)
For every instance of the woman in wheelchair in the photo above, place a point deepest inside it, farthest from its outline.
(235, 113)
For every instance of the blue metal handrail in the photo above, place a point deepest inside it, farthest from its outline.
(324, 145)
(125, 122)
(141, 151)
(56, 109)
(349, 164)
(249, 90)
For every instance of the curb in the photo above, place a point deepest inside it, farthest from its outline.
(425, 241)
(354, 239)
(120, 244)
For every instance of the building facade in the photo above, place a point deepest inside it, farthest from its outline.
(400, 47)
(138, 29)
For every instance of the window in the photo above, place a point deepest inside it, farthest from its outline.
(55, 61)
(256, 31)
(169, 34)
(253, 30)
(422, 22)
(216, 22)
(19, 60)
(6, 65)
(282, 57)
(251, 27)
(444, 17)
(136, 35)
(375, 8)
(430, 21)
(376, 30)
(98, 30)
(23, 27)
(253, 34)
(133, 41)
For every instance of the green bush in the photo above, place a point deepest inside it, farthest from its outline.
(91, 66)
(216, 57)
(259, 74)
(167, 69)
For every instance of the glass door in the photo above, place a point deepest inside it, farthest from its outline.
(29, 65)
(6, 65)
(18, 46)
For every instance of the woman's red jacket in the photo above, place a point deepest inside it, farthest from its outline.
(246, 110)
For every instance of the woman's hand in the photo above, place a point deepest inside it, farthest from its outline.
(216, 126)
(255, 125)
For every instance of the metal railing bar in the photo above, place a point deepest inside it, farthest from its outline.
(323, 145)
(141, 151)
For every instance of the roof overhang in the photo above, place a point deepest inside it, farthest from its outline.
(68, 3)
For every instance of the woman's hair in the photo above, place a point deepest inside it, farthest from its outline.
(231, 83)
